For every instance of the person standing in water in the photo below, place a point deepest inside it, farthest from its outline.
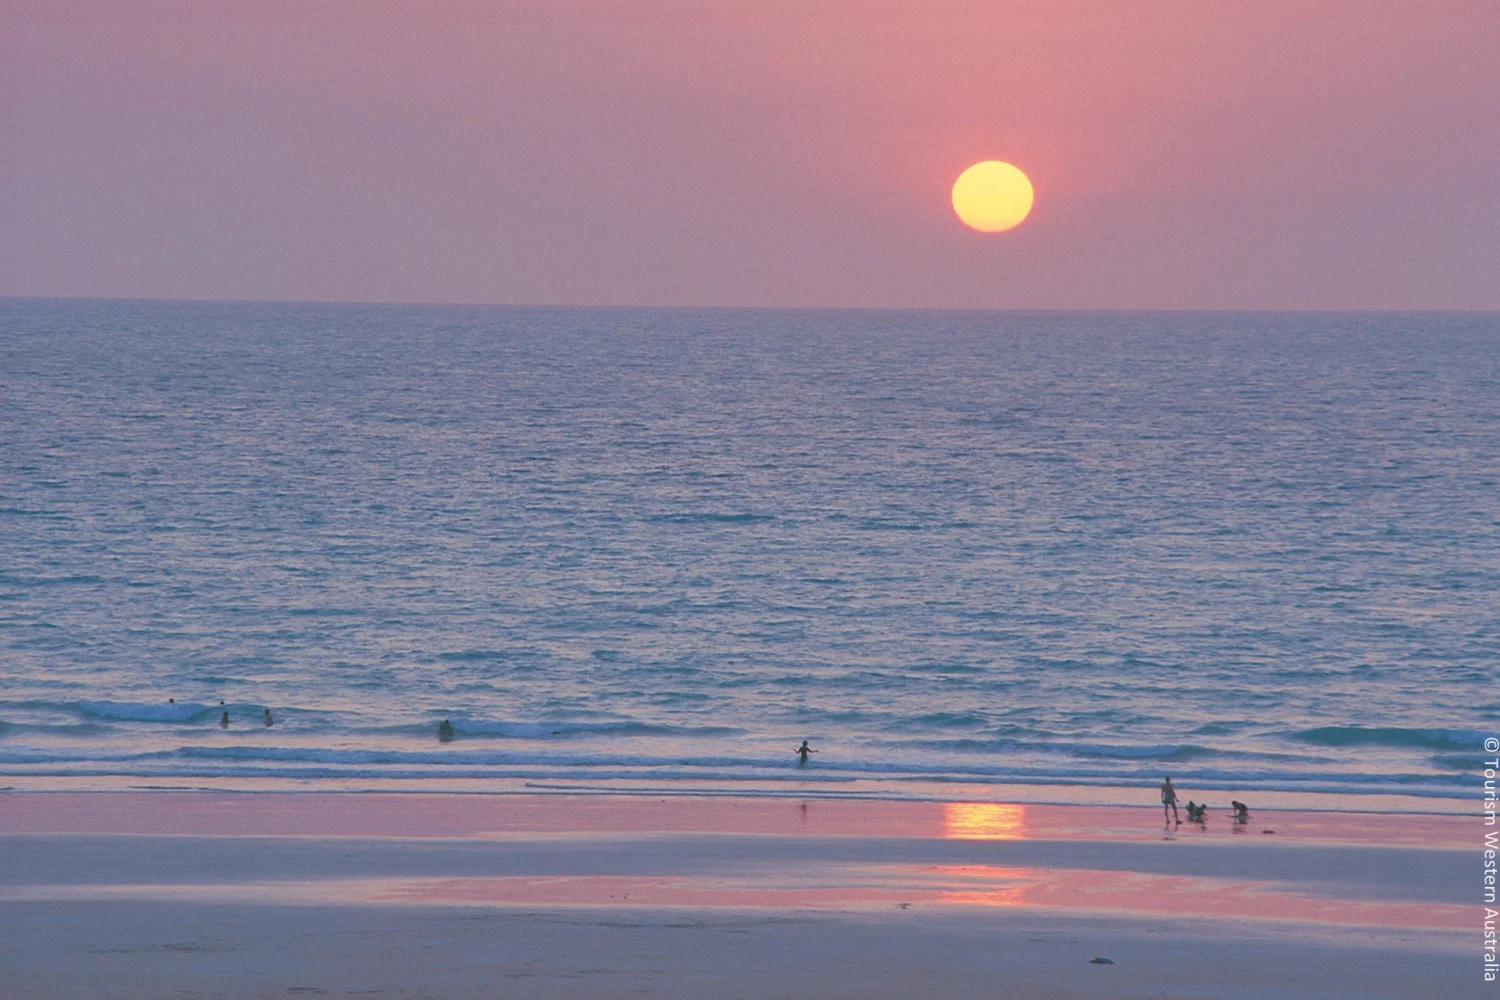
(802, 753)
(269, 721)
(1169, 800)
(445, 731)
(224, 719)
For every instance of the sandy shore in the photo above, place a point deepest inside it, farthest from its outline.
(153, 894)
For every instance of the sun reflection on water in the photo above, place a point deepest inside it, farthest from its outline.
(983, 821)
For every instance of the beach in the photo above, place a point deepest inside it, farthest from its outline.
(199, 893)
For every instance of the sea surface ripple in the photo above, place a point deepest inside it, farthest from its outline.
(669, 544)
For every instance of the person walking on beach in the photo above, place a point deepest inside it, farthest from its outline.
(1169, 800)
(802, 752)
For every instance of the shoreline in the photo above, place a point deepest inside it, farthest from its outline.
(813, 790)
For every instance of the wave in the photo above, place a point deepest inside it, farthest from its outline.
(1219, 728)
(1094, 764)
(151, 739)
(940, 720)
(472, 655)
(890, 779)
(709, 517)
(84, 730)
(1102, 751)
(544, 730)
(470, 728)
(1448, 762)
(103, 712)
(16, 580)
(945, 668)
(133, 711)
(1390, 736)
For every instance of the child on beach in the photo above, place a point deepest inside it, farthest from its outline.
(803, 751)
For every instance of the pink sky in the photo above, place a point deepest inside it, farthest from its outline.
(1301, 154)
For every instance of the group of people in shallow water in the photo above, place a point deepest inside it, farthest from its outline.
(224, 719)
(270, 720)
(1195, 813)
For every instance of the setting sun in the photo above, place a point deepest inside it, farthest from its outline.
(992, 196)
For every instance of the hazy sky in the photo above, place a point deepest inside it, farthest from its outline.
(1300, 154)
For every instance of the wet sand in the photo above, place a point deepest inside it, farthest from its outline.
(147, 894)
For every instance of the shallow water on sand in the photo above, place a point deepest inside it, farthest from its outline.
(1252, 550)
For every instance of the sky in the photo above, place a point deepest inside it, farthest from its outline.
(1307, 154)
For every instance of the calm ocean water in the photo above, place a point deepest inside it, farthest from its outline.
(1249, 550)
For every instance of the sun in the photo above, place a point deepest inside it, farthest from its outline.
(992, 196)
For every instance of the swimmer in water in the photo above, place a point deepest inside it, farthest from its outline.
(445, 731)
(269, 721)
(802, 753)
(224, 719)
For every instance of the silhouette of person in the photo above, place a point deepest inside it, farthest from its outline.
(269, 721)
(802, 753)
(1169, 800)
(445, 731)
(1241, 811)
(224, 719)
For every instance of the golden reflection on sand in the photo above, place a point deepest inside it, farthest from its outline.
(983, 821)
(845, 888)
(983, 885)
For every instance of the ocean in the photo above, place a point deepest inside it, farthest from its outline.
(656, 549)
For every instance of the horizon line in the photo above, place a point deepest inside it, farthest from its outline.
(752, 308)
